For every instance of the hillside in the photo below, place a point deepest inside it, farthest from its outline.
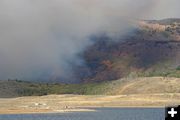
(125, 86)
(153, 49)
(127, 66)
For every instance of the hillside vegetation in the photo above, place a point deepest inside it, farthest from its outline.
(153, 49)
(145, 85)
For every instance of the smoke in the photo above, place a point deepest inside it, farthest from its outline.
(40, 39)
(165, 9)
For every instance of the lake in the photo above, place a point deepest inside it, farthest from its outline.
(100, 114)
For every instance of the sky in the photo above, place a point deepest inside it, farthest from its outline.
(165, 9)
(42, 39)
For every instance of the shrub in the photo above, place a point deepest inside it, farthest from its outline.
(178, 68)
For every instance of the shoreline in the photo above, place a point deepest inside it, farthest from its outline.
(19, 112)
(84, 103)
(85, 109)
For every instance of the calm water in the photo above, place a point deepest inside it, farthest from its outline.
(101, 114)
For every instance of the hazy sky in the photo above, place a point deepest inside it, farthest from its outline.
(166, 9)
(40, 39)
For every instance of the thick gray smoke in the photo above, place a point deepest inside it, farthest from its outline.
(40, 39)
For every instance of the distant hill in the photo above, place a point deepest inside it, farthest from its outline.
(125, 86)
(128, 66)
(153, 49)
(165, 21)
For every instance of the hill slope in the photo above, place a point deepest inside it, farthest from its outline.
(153, 49)
(125, 86)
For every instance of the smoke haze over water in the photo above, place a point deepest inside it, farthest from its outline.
(40, 39)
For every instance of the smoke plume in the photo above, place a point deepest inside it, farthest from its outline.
(40, 39)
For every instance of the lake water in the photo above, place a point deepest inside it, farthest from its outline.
(100, 114)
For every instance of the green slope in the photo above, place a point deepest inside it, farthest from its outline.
(145, 85)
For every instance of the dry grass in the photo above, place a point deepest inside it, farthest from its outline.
(146, 85)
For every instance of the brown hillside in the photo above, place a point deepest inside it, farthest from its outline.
(151, 50)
